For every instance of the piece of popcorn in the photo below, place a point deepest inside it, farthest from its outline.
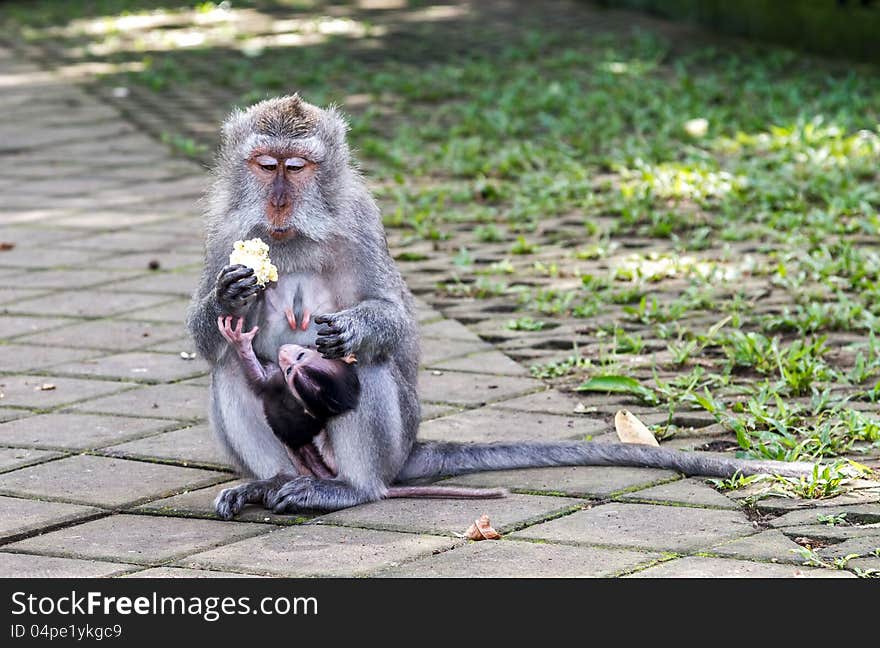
(255, 254)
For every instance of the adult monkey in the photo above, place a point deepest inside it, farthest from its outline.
(284, 174)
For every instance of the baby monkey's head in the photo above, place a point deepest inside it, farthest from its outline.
(325, 388)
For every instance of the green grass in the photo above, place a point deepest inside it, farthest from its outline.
(720, 201)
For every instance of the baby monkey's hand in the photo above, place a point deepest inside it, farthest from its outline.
(235, 336)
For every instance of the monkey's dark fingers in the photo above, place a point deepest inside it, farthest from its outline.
(248, 284)
(325, 330)
(324, 319)
(231, 274)
(329, 340)
(333, 353)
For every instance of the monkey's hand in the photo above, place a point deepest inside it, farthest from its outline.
(241, 340)
(236, 288)
(338, 335)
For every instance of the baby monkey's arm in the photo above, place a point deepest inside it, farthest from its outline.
(257, 375)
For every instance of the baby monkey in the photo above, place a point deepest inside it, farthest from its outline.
(301, 393)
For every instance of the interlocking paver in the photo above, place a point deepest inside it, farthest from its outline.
(690, 492)
(19, 516)
(192, 444)
(770, 545)
(113, 335)
(451, 516)
(646, 526)
(23, 358)
(29, 566)
(522, 560)
(486, 424)
(171, 401)
(472, 389)
(42, 392)
(77, 431)
(585, 481)
(103, 481)
(12, 458)
(140, 366)
(136, 538)
(303, 551)
(696, 567)
(181, 572)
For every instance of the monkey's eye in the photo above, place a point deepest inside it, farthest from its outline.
(267, 162)
(289, 369)
(294, 164)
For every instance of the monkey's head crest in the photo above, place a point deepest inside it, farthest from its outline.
(281, 121)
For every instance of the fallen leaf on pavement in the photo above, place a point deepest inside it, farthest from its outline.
(632, 430)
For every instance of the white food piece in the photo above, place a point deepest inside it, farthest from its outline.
(255, 254)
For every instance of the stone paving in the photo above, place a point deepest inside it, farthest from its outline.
(107, 466)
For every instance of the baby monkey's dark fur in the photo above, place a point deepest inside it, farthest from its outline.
(301, 393)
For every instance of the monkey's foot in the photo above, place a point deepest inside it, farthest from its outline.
(230, 501)
(314, 494)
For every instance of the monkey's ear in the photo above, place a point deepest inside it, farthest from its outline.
(235, 129)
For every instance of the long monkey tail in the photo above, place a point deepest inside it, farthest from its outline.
(436, 459)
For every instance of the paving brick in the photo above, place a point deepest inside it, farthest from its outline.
(194, 444)
(172, 312)
(549, 401)
(586, 481)
(89, 303)
(644, 526)
(140, 366)
(492, 362)
(487, 424)
(47, 257)
(306, 550)
(28, 357)
(437, 350)
(27, 566)
(512, 559)
(12, 458)
(172, 401)
(10, 414)
(20, 327)
(471, 388)
(29, 391)
(449, 329)
(864, 513)
(77, 431)
(19, 516)
(200, 503)
(690, 492)
(103, 481)
(137, 539)
(180, 572)
(181, 283)
(112, 335)
(695, 567)
(767, 545)
(77, 278)
(448, 516)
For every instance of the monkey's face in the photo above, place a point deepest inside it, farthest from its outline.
(286, 174)
(285, 178)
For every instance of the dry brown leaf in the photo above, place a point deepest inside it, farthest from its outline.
(632, 430)
(481, 530)
(5, 246)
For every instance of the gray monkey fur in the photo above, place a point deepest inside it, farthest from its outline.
(340, 253)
